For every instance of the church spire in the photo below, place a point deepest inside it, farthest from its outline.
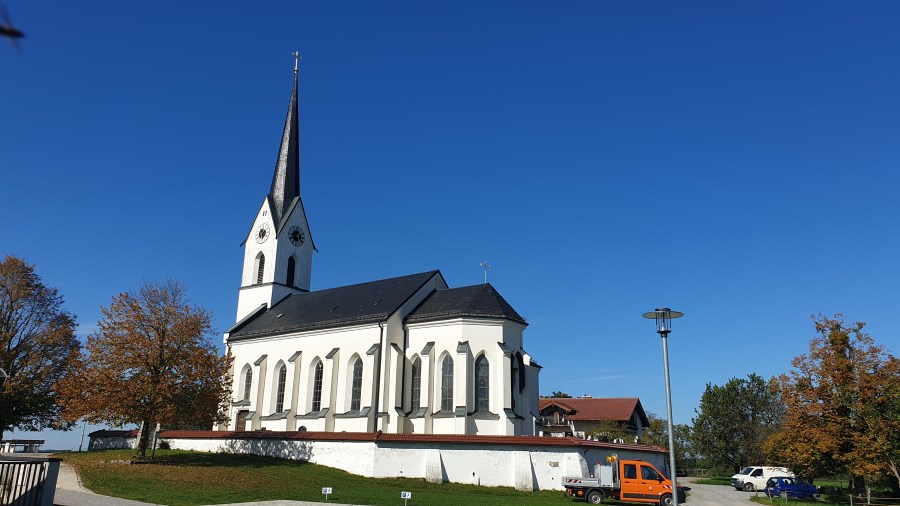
(286, 180)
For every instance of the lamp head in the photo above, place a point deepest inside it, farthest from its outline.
(663, 317)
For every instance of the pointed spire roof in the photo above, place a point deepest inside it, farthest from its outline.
(286, 180)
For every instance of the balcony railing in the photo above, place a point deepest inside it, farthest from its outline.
(27, 481)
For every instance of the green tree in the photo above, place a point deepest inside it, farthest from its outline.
(559, 395)
(843, 412)
(37, 348)
(657, 433)
(734, 420)
(151, 361)
(611, 430)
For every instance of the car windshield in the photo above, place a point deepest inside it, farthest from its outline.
(745, 470)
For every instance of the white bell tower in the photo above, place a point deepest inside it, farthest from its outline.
(278, 249)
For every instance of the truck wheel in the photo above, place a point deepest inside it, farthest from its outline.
(748, 487)
(595, 497)
(666, 500)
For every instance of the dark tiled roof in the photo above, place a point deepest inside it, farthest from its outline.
(477, 300)
(368, 302)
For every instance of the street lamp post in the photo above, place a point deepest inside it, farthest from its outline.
(663, 317)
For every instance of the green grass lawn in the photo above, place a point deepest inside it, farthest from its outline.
(193, 478)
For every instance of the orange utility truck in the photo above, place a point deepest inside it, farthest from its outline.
(633, 481)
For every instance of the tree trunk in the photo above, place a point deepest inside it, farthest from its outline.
(144, 439)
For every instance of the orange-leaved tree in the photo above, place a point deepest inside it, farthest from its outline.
(150, 361)
(842, 408)
(37, 348)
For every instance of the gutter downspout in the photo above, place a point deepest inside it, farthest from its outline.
(403, 376)
(378, 376)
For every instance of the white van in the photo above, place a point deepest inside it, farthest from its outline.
(755, 477)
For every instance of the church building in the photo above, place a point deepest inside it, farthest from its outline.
(405, 355)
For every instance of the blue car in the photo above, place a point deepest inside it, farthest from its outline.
(785, 486)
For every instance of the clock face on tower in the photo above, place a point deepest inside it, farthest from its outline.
(296, 235)
(262, 233)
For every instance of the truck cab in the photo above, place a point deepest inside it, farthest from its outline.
(632, 481)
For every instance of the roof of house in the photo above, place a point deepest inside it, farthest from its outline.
(474, 301)
(590, 409)
(370, 302)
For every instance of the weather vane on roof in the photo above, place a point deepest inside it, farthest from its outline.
(297, 59)
(485, 265)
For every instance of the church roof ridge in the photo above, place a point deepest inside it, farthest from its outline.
(481, 300)
(368, 302)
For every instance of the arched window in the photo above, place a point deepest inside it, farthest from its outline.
(416, 384)
(279, 393)
(513, 381)
(260, 268)
(447, 384)
(317, 388)
(356, 388)
(248, 380)
(482, 384)
(292, 266)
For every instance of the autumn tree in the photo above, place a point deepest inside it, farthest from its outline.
(151, 361)
(843, 412)
(734, 420)
(37, 348)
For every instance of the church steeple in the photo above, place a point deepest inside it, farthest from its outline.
(286, 180)
(279, 247)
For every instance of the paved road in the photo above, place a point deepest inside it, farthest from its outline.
(716, 495)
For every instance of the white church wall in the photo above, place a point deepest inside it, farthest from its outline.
(523, 466)
(316, 346)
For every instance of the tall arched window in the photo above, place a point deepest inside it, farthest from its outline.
(292, 266)
(356, 388)
(317, 388)
(482, 384)
(416, 384)
(248, 380)
(279, 393)
(513, 381)
(447, 384)
(260, 268)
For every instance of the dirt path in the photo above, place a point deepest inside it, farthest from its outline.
(715, 495)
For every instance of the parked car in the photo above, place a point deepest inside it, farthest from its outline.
(786, 486)
(753, 478)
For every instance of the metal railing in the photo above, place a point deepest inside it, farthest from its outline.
(27, 481)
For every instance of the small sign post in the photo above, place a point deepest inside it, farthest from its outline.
(406, 496)
(326, 491)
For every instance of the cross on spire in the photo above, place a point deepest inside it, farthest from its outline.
(485, 265)
(297, 59)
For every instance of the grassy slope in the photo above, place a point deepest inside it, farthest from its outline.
(190, 478)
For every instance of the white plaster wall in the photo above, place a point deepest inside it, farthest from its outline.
(486, 465)
(315, 345)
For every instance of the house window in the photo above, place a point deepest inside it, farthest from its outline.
(279, 395)
(292, 266)
(248, 380)
(356, 389)
(447, 384)
(260, 268)
(482, 384)
(317, 388)
(416, 384)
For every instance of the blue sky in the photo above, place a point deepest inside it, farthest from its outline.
(736, 161)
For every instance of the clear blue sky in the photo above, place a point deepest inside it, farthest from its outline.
(737, 161)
